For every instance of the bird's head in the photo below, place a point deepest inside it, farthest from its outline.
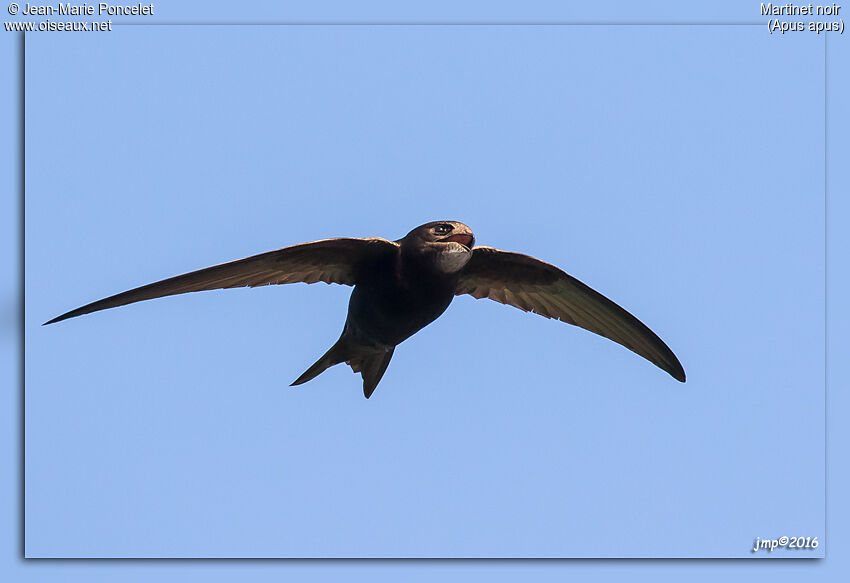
(448, 242)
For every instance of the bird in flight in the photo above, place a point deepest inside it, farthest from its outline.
(402, 286)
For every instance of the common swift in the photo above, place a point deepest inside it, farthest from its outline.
(402, 286)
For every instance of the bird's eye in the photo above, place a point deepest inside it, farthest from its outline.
(443, 229)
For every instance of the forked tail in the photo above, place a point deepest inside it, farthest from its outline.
(371, 367)
(335, 355)
(370, 364)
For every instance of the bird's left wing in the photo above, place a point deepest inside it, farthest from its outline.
(330, 260)
(533, 285)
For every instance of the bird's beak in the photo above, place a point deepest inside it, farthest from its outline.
(464, 239)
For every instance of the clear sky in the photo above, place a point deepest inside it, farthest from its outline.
(676, 169)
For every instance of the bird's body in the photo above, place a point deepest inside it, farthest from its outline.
(390, 311)
(397, 300)
(402, 286)
(396, 296)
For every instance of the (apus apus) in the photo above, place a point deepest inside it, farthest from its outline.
(402, 286)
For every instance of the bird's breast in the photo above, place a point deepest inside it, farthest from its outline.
(390, 312)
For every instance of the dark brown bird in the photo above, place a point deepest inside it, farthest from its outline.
(402, 286)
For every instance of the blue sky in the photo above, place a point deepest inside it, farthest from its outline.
(670, 168)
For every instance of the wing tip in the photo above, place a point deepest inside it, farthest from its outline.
(677, 372)
(68, 315)
(57, 319)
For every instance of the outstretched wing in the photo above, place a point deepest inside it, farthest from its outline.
(330, 260)
(535, 286)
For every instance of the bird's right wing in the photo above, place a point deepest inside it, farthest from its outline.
(533, 285)
(330, 260)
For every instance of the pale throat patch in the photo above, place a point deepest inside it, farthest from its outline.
(453, 257)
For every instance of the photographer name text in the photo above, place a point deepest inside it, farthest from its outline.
(85, 9)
